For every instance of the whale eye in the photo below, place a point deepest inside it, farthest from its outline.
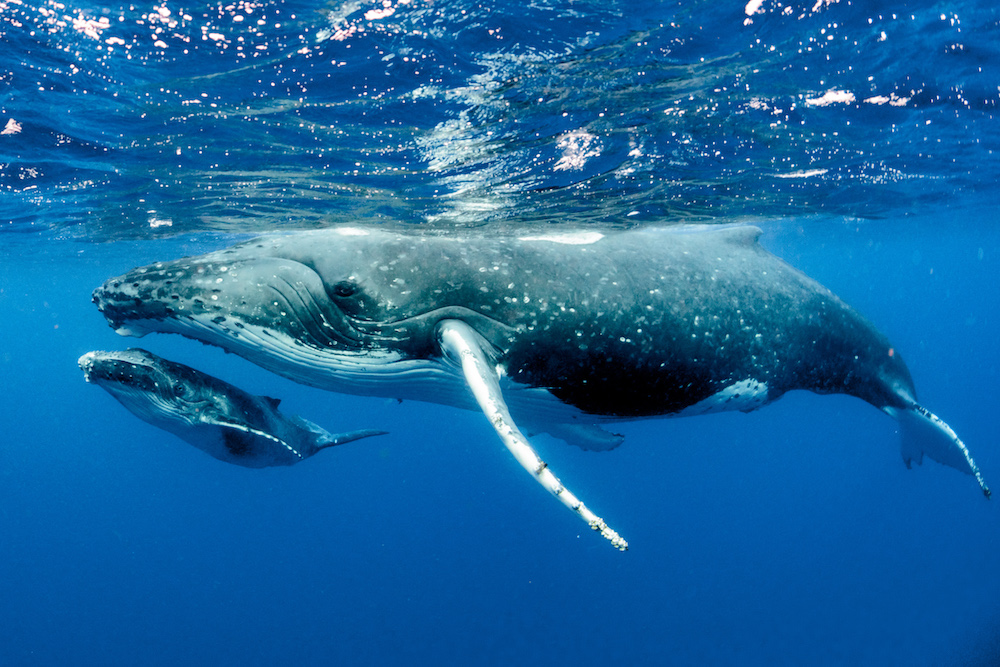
(350, 298)
(345, 289)
(180, 390)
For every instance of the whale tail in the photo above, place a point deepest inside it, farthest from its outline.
(350, 436)
(923, 432)
(323, 439)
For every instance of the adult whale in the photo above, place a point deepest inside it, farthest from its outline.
(556, 331)
(221, 420)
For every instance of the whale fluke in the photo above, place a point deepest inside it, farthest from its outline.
(923, 432)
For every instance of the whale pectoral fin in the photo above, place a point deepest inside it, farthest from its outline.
(590, 437)
(463, 346)
(923, 432)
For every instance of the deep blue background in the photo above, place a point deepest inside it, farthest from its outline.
(789, 536)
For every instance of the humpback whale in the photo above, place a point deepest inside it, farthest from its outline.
(548, 330)
(214, 416)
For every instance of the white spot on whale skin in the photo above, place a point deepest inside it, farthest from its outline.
(569, 238)
(745, 395)
(352, 231)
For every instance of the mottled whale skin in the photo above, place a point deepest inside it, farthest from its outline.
(214, 416)
(560, 331)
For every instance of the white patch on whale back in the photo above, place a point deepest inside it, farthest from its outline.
(568, 238)
(745, 395)
(351, 231)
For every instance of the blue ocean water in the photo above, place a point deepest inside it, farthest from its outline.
(860, 136)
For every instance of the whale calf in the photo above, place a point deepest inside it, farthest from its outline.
(548, 330)
(214, 416)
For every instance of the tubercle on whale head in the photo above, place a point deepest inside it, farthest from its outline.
(274, 311)
(334, 301)
(131, 368)
(210, 289)
(128, 300)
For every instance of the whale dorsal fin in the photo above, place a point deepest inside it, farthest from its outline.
(273, 402)
(743, 235)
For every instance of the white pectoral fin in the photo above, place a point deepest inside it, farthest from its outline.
(462, 345)
(923, 432)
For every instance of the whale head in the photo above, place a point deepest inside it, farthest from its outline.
(317, 312)
(155, 389)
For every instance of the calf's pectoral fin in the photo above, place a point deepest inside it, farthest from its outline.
(590, 437)
(923, 432)
(461, 345)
